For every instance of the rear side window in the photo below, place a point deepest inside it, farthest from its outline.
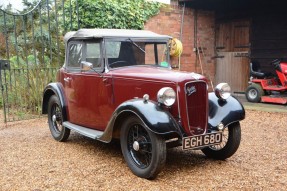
(75, 55)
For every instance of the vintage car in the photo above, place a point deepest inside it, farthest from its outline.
(119, 84)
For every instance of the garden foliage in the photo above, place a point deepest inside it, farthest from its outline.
(124, 14)
(36, 47)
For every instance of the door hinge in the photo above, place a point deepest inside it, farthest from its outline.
(218, 57)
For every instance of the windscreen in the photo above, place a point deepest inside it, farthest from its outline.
(132, 52)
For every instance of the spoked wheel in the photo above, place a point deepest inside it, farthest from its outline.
(230, 142)
(144, 151)
(139, 146)
(55, 120)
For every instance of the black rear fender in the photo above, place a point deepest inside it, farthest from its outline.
(54, 89)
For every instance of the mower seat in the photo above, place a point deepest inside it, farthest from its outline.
(255, 71)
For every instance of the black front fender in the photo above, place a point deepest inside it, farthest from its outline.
(224, 111)
(54, 89)
(154, 117)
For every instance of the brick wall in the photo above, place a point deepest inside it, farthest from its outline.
(206, 43)
(198, 32)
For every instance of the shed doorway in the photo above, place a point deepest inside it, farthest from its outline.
(232, 54)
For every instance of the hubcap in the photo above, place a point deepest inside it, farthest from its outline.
(136, 146)
(252, 94)
(54, 118)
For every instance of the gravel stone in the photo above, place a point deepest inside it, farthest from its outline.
(30, 159)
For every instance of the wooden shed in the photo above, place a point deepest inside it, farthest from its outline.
(245, 31)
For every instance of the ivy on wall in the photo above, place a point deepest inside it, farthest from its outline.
(123, 14)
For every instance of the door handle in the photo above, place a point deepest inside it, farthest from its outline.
(106, 80)
(67, 79)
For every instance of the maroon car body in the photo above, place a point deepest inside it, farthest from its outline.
(119, 84)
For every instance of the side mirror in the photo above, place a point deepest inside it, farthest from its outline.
(86, 66)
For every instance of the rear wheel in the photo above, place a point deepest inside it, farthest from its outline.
(55, 120)
(144, 151)
(254, 93)
(230, 143)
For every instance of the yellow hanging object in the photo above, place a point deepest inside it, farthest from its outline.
(175, 47)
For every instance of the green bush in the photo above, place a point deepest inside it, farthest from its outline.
(124, 14)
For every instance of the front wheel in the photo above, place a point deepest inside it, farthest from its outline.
(229, 145)
(55, 120)
(144, 151)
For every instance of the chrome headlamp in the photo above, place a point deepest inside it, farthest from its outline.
(166, 96)
(222, 91)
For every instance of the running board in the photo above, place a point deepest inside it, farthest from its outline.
(92, 133)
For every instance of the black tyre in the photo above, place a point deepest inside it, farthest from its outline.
(230, 143)
(144, 151)
(254, 93)
(55, 120)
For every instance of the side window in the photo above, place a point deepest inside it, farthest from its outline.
(88, 51)
(75, 55)
(93, 54)
(113, 49)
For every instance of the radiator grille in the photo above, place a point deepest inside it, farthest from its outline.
(196, 104)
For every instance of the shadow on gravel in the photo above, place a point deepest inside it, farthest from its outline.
(177, 156)
(186, 159)
(176, 159)
(183, 164)
(114, 148)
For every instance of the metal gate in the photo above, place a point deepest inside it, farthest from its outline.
(31, 52)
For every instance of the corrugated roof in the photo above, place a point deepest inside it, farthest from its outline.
(231, 5)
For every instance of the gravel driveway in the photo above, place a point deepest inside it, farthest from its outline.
(31, 160)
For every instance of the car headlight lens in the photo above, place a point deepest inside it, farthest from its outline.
(222, 91)
(166, 96)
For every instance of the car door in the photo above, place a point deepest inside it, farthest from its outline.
(89, 93)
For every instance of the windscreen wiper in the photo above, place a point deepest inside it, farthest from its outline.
(136, 45)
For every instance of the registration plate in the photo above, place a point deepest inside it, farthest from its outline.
(198, 141)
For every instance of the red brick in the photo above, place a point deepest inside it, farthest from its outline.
(168, 22)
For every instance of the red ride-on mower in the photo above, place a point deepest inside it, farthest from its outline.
(265, 87)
